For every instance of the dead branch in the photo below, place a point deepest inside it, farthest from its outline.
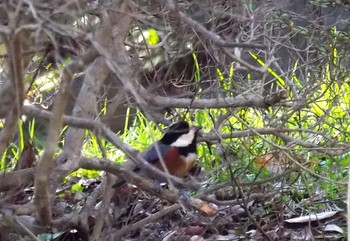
(101, 217)
(14, 179)
(43, 196)
(209, 34)
(142, 182)
(14, 46)
(249, 100)
(211, 137)
(154, 217)
(94, 78)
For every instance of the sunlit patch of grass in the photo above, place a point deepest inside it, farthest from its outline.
(13, 152)
(279, 80)
(3, 162)
(85, 173)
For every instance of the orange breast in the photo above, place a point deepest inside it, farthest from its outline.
(175, 163)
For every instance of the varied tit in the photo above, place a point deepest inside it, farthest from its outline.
(177, 148)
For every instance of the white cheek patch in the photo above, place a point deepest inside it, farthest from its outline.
(185, 139)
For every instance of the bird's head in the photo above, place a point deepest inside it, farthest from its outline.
(180, 134)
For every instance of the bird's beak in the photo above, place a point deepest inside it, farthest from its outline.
(197, 128)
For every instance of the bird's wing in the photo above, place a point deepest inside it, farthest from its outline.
(152, 154)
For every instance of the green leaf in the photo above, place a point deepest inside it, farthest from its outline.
(76, 188)
(153, 37)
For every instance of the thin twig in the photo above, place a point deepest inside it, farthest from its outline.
(209, 34)
(30, 233)
(130, 227)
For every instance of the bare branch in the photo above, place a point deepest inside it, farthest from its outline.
(5, 30)
(245, 64)
(154, 217)
(15, 179)
(43, 196)
(113, 138)
(141, 182)
(208, 34)
(249, 100)
(14, 46)
(86, 107)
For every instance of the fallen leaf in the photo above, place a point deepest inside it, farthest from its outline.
(312, 217)
(196, 238)
(194, 230)
(333, 228)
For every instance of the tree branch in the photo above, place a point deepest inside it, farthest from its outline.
(113, 138)
(140, 181)
(208, 34)
(249, 100)
(43, 197)
(134, 226)
(15, 179)
(14, 46)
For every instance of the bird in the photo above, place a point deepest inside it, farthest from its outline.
(177, 149)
